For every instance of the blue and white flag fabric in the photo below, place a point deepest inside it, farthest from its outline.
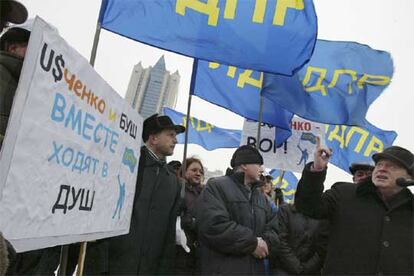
(336, 86)
(238, 90)
(205, 134)
(287, 185)
(274, 36)
(351, 144)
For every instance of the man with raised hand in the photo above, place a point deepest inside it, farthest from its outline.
(236, 229)
(371, 222)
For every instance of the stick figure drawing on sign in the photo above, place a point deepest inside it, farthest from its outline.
(304, 157)
(121, 198)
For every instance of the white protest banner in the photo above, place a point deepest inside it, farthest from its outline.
(299, 148)
(69, 160)
(296, 151)
(267, 146)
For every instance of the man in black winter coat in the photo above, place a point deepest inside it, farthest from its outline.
(236, 229)
(149, 248)
(371, 222)
(300, 240)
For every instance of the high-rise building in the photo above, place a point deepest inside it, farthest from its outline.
(152, 88)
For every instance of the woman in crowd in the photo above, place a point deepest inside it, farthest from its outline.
(193, 178)
(267, 190)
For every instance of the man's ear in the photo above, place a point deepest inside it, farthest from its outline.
(11, 48)
(152, 139)
(15, 48)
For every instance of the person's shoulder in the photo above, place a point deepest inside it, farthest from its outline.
(343, 185)
(170, 169)
(220, 183)
(218, 180)
(5, 71)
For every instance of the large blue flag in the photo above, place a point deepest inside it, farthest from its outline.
(337, 86)
(274, 36)
(238, 90)
(353, 144)
(205, 134)
(287, 185)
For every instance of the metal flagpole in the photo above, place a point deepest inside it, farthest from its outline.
(187, 119)
(63, 261)
(1, 26)
(278, 184)
(95, 44)
(81, 261)
(259, 123)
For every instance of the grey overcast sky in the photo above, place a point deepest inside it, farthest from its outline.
(382, 24)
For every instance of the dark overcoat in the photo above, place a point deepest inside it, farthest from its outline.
(149, 248)
(368, 235)
(229, 220)
(10, 68)
(299, 236)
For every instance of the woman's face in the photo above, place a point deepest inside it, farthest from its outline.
(194, 173)
(267, 188)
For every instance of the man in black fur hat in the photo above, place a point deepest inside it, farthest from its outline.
(235, 223)
(149, 248)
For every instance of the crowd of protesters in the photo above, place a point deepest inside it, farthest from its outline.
(236, 224)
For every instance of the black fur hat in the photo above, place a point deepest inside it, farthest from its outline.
(246, 155)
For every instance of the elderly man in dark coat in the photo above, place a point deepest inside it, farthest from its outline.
(149, 248)
(371, 222)
(235, 223)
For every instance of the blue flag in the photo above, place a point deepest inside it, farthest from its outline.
(274, 36)
(337, 86)
(238, 90)
(205, 134)
(353, 144)
(288, 184)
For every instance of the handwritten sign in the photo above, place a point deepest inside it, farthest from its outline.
(295, 152)
(69, 162)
